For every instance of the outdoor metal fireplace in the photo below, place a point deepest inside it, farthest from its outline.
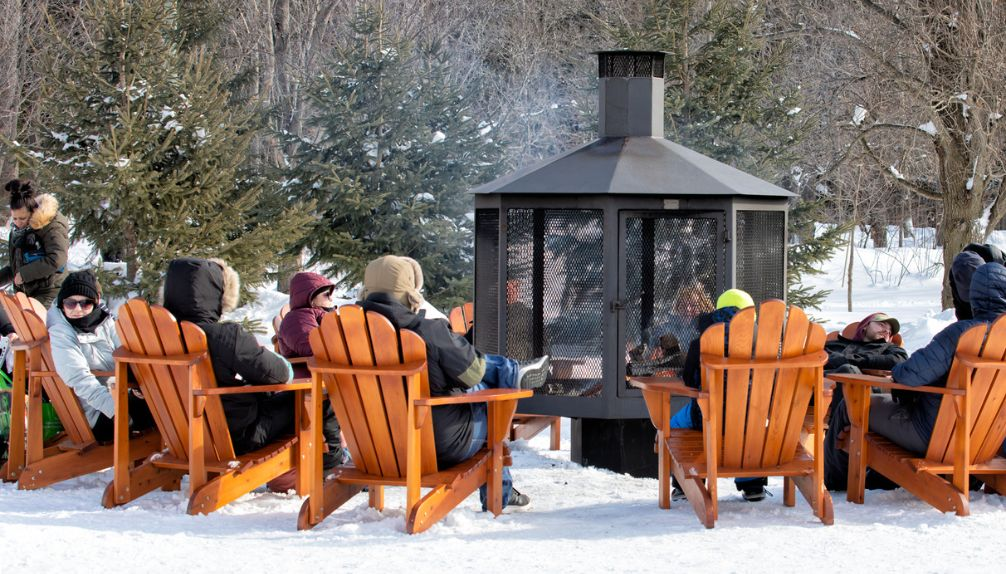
(603, 256)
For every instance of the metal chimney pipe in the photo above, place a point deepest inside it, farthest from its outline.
(631, 97)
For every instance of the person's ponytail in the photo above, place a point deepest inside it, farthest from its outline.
(22, 194)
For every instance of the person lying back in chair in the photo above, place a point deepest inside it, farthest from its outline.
(906, 418)
(454, 366)
(82, 336)
(871, 347)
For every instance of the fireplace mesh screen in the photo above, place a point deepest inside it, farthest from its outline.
(761, 254)
(555, 295)
(671, 272)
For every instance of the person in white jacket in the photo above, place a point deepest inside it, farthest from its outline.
(83, 337)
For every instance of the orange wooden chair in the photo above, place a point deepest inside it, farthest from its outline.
(172, 364)
(524, 426)
(73, 453)
(850, 331)
(276, 322)
(462, 318)
(377, 379)
(970, 427)
(754, 403)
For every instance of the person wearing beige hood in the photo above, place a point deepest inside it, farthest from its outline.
(391, 287)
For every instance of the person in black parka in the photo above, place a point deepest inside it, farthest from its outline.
(200, 291)
(907, 418)
(965, 263)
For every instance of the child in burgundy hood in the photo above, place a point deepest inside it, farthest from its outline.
(310, 299)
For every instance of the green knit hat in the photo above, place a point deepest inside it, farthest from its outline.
(734, 298)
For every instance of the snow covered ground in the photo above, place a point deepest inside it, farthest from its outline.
(580, 519)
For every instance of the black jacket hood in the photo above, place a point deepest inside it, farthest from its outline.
(988, 291)
(194, 289)
(400, 316)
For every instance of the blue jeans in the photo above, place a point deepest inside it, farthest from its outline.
(683, 420)
(501, 373)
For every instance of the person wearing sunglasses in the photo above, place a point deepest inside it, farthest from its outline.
(83, 336)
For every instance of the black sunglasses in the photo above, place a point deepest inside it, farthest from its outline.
(74, 303)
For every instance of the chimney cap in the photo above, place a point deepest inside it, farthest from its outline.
(630, 64)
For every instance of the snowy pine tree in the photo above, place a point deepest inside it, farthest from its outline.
(148, 155)
(395, 150)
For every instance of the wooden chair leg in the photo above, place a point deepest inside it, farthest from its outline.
(857, 401)
(663, 474)
(556, 439)
(376, 492)
(788, 492)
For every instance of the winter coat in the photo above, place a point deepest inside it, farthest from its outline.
(40, 253)
(75, 354)
(964, 265)
(880, 355)
(931, 364)
(296, 327)
(199, 291)
(453, 366)
(691, 373)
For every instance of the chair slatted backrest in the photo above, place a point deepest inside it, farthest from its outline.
(276, 322)
(764, 408)
(462, 318)
(987, 396)
(28, 317)
(373, 410)
(151, 330)
(850, 331)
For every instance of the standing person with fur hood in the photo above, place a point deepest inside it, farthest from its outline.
(200, 291)
(37, 244)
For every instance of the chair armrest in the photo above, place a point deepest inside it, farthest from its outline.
(887, 383)
(216, 391)
(484, 396)
(22, 345)
(877, 372)
(297, 360)
(669, 385)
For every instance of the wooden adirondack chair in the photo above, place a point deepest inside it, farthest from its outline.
(276, 322)
(753, 405)
(462, 318)
(850, 331)
(970, 427)
(378, 382)
(172, 365)
(71, 454)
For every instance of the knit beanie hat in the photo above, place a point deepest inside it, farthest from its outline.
(400, 277)
(80, 283)
(734, 298)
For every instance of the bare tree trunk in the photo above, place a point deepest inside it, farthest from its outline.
(11, 51)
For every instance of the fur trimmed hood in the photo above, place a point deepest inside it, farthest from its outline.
(200, 290)
(47, 209)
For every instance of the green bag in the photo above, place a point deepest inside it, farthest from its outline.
(50, 421)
